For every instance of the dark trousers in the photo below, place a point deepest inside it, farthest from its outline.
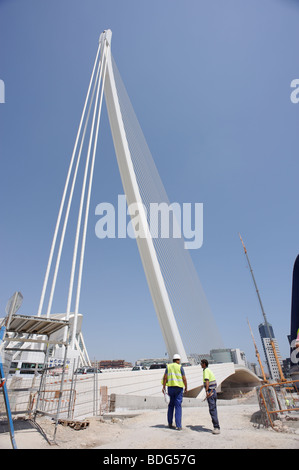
(176, 398)
(212, 402)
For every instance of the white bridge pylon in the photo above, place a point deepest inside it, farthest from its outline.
(103, 82)
(145, 244)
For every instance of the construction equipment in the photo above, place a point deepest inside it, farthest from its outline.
(21, 328)
(272, 399)
(282, 378)
(258, 355)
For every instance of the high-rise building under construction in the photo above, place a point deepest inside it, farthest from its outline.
(268, 350)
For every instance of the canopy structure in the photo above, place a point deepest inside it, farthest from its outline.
(35, 325)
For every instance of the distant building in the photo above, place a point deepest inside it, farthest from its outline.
(150, 361)
(113, 364)
(268, 351)
(286, 366)
(215, 356)
(255, 369)
(239, 357)
(221, 355)
(196, 358)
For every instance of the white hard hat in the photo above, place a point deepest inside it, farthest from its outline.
(176, 356)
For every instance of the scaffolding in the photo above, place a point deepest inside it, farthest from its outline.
(279, 402)
(21, 329)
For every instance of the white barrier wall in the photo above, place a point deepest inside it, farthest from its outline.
(142, 387)
(148, 382)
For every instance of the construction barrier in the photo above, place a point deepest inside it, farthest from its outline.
(80, 396)
(48, 402)
(279, 401)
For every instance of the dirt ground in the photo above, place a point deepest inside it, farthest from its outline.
(240, 429)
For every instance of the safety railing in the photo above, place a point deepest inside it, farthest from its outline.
(279, 400)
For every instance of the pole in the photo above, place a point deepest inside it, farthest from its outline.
(5, 395)
(61, 384)
(13, 305)
(7, 405)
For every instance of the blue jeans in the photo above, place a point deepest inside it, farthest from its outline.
(212, 402)
(176, 398)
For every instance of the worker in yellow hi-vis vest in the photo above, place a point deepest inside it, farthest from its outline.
(175, 379)
(211, 395)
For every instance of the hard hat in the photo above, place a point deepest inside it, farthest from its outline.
(176, 356)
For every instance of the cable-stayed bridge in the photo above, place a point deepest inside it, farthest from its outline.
(185, 319)
(183, 312)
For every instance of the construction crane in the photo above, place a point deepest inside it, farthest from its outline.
(258, 354)
(282, 378)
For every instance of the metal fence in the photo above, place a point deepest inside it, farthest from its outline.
(72, 396)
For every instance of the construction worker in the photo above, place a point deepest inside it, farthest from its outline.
(175, 379)
(211, 395)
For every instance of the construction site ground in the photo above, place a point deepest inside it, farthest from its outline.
(147, 429)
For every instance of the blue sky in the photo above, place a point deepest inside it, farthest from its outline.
(210, 85)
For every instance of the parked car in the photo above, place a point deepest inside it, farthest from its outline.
(88, 370)
(158, 366)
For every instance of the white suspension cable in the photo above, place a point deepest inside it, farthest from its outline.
(191, 310)
(71, 284)
(149, 186)
(76, 310)
(64, 192)
(70, 201)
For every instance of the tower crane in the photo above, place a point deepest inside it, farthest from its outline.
(282, 378)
